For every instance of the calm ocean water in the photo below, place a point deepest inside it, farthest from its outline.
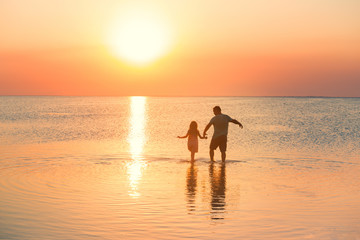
(112, 168)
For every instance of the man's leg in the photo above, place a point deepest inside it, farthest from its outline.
(222, 146)
(213, 146)
(211, 154)
(223, 156)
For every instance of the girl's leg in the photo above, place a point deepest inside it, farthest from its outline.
(192, 156)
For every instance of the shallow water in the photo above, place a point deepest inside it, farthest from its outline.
(112, 168)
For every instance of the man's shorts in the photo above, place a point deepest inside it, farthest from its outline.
(220, 142)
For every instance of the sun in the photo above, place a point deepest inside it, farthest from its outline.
(139, 39)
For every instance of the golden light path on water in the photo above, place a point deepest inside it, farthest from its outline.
(136, 140)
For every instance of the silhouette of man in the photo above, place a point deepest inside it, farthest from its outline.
(219, 139)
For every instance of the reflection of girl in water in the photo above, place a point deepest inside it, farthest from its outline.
(192, 135)
(191, 186)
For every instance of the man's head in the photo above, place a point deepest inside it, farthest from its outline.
(217, 110)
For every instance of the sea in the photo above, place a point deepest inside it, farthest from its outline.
(113, 168)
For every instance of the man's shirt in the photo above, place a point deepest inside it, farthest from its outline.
(221, 124)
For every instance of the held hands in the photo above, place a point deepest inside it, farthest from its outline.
(203, 137)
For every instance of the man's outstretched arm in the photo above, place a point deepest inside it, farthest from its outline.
(237, 122)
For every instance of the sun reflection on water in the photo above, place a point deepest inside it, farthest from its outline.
(136, 140)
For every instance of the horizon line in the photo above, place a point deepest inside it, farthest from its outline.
(180, 96)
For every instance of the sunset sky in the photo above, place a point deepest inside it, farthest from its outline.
(180, 48)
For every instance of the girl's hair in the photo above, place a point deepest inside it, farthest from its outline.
(193, 128)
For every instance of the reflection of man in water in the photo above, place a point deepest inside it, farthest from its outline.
(221, 125)
(217, 181)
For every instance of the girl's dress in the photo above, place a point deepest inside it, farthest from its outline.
(193, 142)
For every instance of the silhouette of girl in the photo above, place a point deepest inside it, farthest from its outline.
(192, 135)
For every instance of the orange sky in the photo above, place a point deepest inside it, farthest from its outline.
(237, 48)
